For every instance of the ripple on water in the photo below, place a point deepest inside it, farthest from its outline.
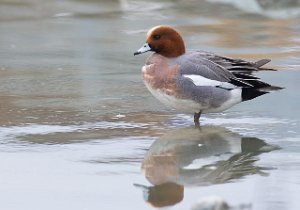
(12, 133)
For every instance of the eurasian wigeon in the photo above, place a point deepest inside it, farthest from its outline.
(193, 81)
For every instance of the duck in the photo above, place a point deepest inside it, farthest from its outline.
(197, 81)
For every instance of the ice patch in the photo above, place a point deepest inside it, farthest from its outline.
(63, 14)
(245, 120)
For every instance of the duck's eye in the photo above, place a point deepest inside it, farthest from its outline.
(156, 37)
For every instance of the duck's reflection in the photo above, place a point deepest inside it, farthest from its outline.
(191, 157)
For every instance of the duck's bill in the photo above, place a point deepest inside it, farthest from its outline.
(143, 49)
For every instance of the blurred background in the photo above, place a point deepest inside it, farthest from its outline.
(78, 129)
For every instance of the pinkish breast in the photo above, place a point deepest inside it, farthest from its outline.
(159, 75)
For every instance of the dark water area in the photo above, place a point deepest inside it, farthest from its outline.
(79, 130)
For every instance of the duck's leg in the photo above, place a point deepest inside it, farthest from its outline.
(196, 119)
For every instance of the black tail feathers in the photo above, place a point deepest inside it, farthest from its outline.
(249, 93)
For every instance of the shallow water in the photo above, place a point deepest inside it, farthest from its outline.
(78, 129)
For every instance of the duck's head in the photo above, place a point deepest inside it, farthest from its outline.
(163, 40)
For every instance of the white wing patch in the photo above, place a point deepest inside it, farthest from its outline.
(203, 81)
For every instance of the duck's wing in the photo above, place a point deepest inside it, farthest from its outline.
(208, 70)
(204, 72)
(242, 69)
(237, 65)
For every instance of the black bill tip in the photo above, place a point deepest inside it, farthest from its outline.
(136, 53)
